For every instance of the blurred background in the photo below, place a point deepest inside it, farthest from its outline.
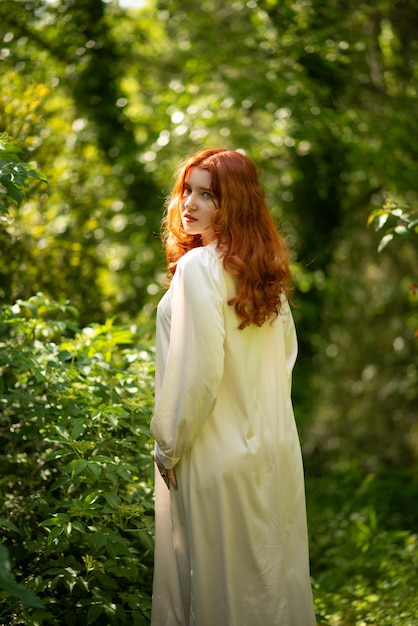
(105, 98)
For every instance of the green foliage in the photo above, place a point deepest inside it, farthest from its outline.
(319, 97)
(396, 220)
(104, 101)
(76, 483)
(15, 174)
(7, 581)
(366, 377)
(78, 236)
(76, 488)
(393, 219)
(363, 563)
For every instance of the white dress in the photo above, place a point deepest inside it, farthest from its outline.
(231, 545)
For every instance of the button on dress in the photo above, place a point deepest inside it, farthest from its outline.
(231, 543)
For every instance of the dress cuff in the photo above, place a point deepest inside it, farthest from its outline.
(167, 461)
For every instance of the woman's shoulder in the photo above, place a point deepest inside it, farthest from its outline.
(203, 255)
(201, 266)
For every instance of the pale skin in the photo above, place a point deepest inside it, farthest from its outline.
(198, 204)
(197, 207)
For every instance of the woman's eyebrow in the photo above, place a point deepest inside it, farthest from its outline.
(198, 187)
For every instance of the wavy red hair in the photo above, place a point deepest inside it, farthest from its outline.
(255, 253)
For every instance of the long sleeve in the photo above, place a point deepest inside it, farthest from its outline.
(193, 367)
(290, 339)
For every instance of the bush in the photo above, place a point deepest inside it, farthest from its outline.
(364, 557)
(76, 483)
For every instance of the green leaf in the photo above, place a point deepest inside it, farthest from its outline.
(9, 584)
(55, 532)
(62, 480)
(381, 220)
(8, 149)
(92, 497)
(59, 519)
(94, 612)
(76, 466)
(8, 524)
(95, 469)
(384, 242)
(13, 191)
(78, 526)
(58, 454)
(401, 230)
(146, 539)
(78, 428)
(112, 499)
(63, 432)
(397, 212)
(36, 174)
(64, 356)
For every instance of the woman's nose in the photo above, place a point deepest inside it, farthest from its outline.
(190, 202)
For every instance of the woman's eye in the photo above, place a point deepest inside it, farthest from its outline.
(186, 191)
(206, 194)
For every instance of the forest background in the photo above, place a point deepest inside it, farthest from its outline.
(98, 102)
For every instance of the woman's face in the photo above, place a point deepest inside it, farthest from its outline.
(198, 204)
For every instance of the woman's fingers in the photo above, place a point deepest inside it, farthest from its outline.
(172, 478)
(168, 475)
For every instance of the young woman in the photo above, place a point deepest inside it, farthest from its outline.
(231, 545)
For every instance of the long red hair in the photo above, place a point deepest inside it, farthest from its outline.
(255, 252)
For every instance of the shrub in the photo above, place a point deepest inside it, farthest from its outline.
(76, 482)
(364, 557)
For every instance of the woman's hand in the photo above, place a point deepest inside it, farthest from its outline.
(168, 475)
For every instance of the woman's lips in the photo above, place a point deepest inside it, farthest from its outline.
(189, 218)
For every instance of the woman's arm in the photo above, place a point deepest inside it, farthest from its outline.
(195, 360)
